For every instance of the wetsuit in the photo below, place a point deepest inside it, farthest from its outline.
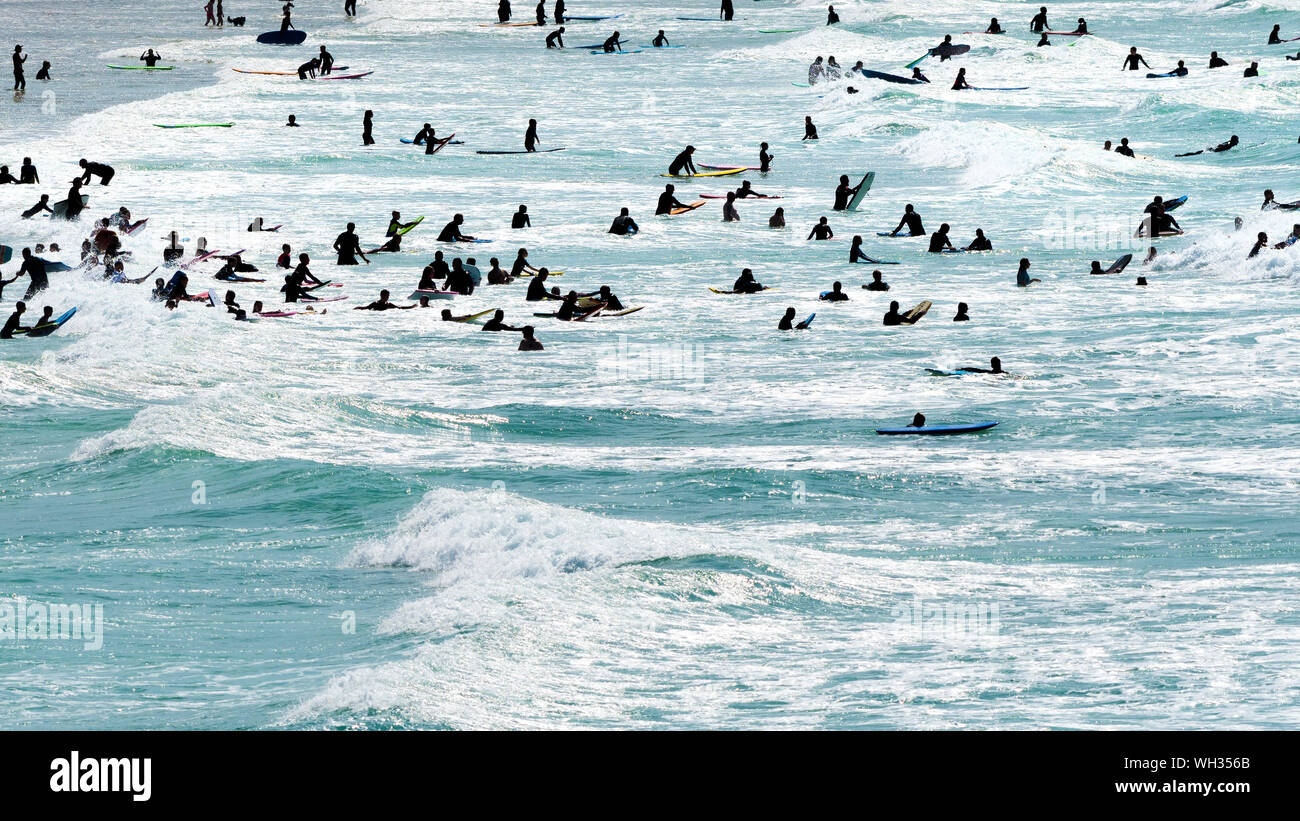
(912, 221)
(660, 41)
(843, 193)
(623, 226)
(1039, 23)
(821, 231)
(348, 246)
(97, 169)
(559, 12)
(541, 12)
(667, 202)
(536, 290)
(11, 324)
(451, 233)
(20, 81)
(530, 137)
(520, 220)
(27, 175)
(36, 209)
(682, 162)
(555, 39)
(727, 11)
(1217, 62)
(34, 267)
(939, 242)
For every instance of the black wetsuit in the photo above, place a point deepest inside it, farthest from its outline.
(97, 169)
(623, 226)
(20, 81)
(27, 175)
(520, 221)
(536, 290)
(451, 233)
(912, 221)
(682, 162)
(1039, 23)
(348, 246)
(35, 269)
(530, 137)
(843, 193)
(667, 202)
(555, 39)
(727, 11)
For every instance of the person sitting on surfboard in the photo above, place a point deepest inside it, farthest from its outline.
(612, 43)
(623, 225)
(911, 220)
(1022, 276)
(844, 192)
(302, 274)
(746, 284)
(682, 164)
(1275, 36)
(821, 231)
(556, 38)
(1082, 28)
(994, 27)
(961, 316)
(980, 243)
(960, 83)
(150, 58)
(1132, 60)
(939, 241)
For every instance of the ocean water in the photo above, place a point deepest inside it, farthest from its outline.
(680, 518)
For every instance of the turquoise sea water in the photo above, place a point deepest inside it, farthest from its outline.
(680, 518)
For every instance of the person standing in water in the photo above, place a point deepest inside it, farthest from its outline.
(503, 11)
(530, 136)
(20, 81)
(348, 246)
(520, 218)
(1133, 59)
(809, 130)
(1022, 275)
(727, 11)
(831, 17)
(350, 8)
(1039, 23)
(367, 128)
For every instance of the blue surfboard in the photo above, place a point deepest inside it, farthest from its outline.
(937, 430)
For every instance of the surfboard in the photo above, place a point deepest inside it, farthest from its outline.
(912, 316)
(404, 231)
(677, 211)
(1119, 264)
(417, 293)
(701, 19)
(807, 323)
(195, 125)
(50, 327)
(708, 173)
(953, 50)
(269, 73)
(521, 151)
(441, 145)
(1166, 74)
(1176, 202)
(743, 293)
(449, 142)
(889, 78)
(506, 25)
(623, 312)
(143, 68)
(292, 37)
(54, 266)
(863, 188)
(654, 46)
(620, 51)
(136, 226)
(998, 88)
(59, 210)
(567, 18)
(7, 253)
(345, 76)
(898, 236)
(730, 167)
(1067, 33)
(780, 31)
(937, 430)
(325, 299)
(738, 199)
(478, 318)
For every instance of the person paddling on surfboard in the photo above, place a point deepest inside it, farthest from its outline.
(556, 38)
(1131, 61)
(912, 221)
(682, 164)
(995, 366)
(980, 243)
(382, 304)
